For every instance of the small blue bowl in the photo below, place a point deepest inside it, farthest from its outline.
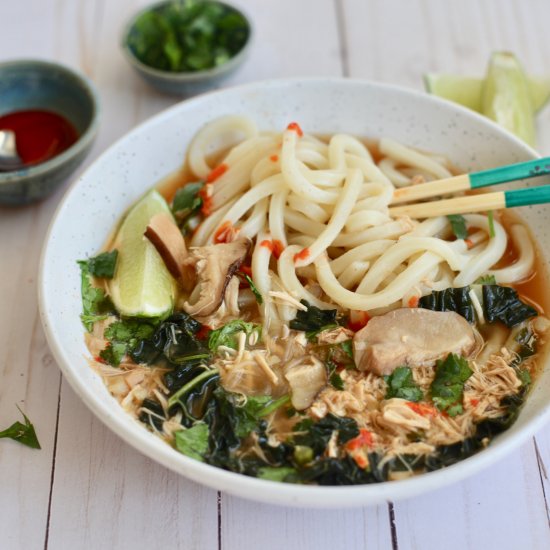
(184, 84)
(30, 84)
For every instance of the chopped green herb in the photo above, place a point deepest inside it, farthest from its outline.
(524, 376)
(193, 441)
(254, 289)
(447, 387)
(188, 35)
(401, 384)
(336, 381)
(103, 265)
(491, 220)
(347, 347)
(22, 433)
(123, 337)
(486, 280)
(280, 473)
(228, 334)
(94, 301)
(314, 319)
(458, 225)
(113, 353)
(249, 414)
(187, 200)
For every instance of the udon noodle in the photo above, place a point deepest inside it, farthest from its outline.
(316, 338)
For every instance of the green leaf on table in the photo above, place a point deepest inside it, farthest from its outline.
(22, 433)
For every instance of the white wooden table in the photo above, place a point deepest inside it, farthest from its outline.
(88, 489)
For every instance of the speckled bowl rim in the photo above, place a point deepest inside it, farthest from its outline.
(134, 434)
(84, 140)
(186, 77)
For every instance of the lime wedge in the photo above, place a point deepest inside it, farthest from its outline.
(539, 87)
(506, 98)
(142, 285)
(467, 91)
(461, 89)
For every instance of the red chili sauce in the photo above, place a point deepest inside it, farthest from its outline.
(39, 135)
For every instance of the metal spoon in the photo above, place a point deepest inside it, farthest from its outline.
(9, 158)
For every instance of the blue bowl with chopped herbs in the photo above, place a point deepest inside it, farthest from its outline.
(186, 47)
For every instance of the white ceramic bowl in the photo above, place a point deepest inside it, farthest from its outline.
(156, 148)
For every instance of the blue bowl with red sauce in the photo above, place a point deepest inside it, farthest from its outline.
(53, 111)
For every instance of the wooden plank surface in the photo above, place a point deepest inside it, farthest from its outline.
(86, 488)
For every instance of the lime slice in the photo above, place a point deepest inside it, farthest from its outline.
(467, 90)
(142, 285)
(506, 98)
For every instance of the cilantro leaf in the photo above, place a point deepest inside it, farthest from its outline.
(334, 378)
(458, 225)
(22, 433)
(347, 348)
(447, 387)
(227, 335)
(187, 200)
(103, 265)
(193, 441)
(248, 415)
(401, 384)
(94, 301)
(254, 289)
(188, 35)
(123, 336)
(314, 319)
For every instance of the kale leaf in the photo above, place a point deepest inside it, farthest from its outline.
(314, 319)
(228, 334)
(174, 341)
(447, 387)
(316, 435)
(450, 299)
(401, 384)
(103, 265)
(458, 225)
(22, 433)
(193, 441)
(501, 303)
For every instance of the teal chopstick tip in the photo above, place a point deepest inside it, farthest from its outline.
(522, 170)
(524, 197)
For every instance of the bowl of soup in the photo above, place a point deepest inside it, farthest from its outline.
(52, 112)
(257, 320)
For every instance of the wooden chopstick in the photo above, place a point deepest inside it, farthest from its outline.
(475, 180)
(474, 203)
